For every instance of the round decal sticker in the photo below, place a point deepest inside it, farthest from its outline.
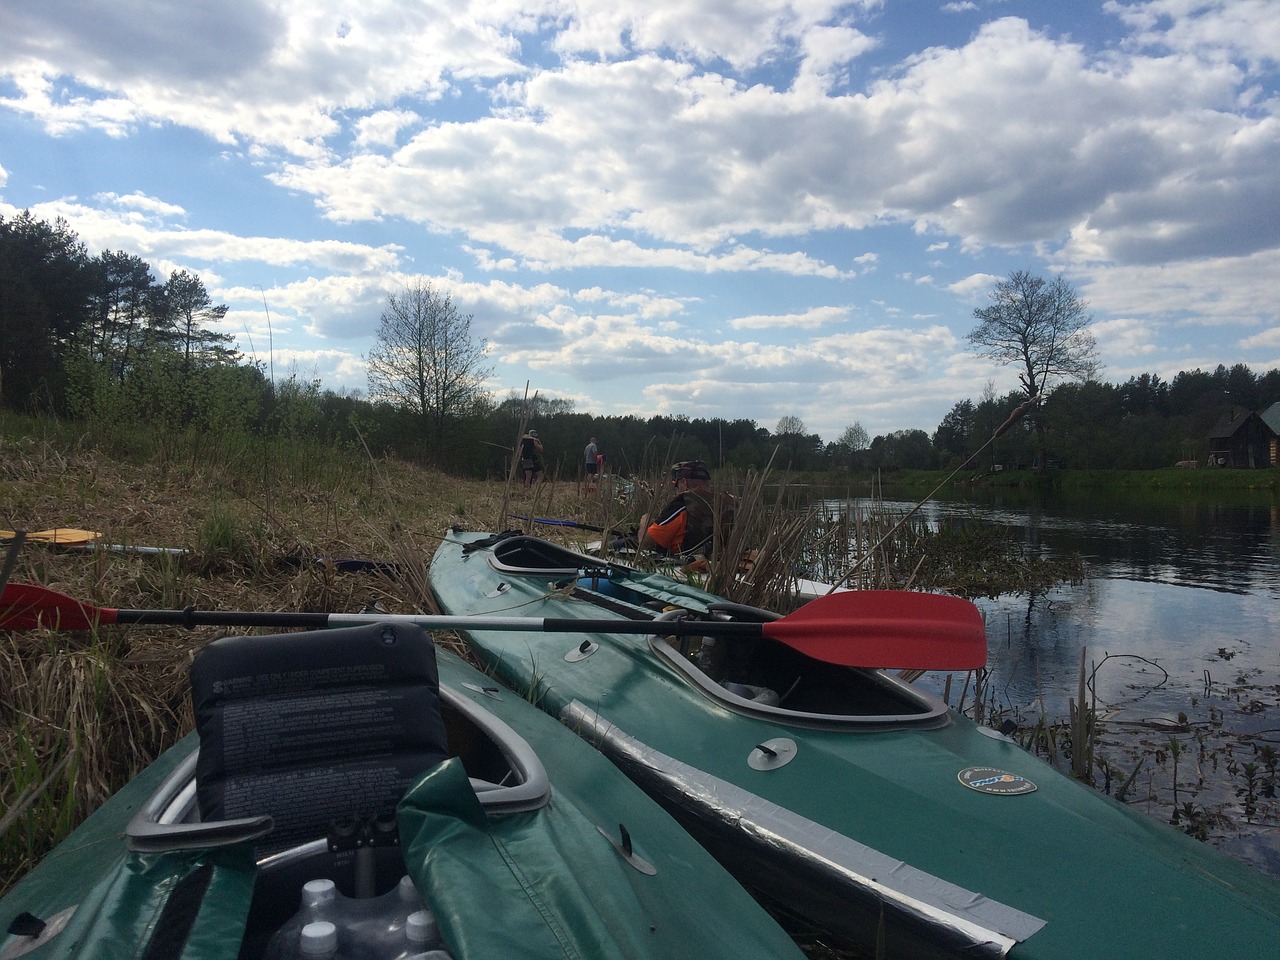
(991, 780)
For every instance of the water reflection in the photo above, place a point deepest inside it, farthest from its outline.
(1179, 606)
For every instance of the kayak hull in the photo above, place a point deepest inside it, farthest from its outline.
(902, 826)
(558, 855)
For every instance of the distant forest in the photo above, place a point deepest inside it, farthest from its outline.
(98, 339)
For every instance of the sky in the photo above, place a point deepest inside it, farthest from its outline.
(746, 209)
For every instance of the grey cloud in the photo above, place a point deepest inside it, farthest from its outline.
(189, 42)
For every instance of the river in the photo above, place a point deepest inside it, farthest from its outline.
(1180, 624)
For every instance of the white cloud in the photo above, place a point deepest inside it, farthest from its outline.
(742, 32)
(1245, 29)
(974, 286)
(1208, 293)
(382, 129)
(1266, 340)
(808, 320)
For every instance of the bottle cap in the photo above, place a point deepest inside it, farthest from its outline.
(318, 939)
(317, 892)
(420, 927)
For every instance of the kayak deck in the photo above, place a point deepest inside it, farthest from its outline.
(863, 806)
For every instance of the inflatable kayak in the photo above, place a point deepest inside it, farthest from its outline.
(350, 793)
(848, 796)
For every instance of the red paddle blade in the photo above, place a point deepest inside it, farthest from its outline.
(27, 606)
(887, 628)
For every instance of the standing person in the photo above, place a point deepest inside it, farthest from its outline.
(591, 463)
(687, 524)
(531, 458)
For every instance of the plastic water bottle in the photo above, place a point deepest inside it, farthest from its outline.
(392, 926)
(319, 903)
(318, 941)
(318, 896)
(409, 895)
(379, 928)
(419, 935)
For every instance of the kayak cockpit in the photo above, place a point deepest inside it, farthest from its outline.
(330, 734)
(519, 554)
(769, 679)
(504, 771)
(757, 676)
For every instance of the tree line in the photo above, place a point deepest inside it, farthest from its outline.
(100, 339)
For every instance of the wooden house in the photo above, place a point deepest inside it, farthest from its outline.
(1248, 439)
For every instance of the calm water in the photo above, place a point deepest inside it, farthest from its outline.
(1182, 596)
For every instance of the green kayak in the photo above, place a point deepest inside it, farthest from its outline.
(507, 836)
(848, 796)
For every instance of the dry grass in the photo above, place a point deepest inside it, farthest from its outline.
(84, 712)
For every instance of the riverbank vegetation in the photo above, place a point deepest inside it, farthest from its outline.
(254, 525)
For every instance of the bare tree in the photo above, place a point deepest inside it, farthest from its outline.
(854, 437)
(790, 424)
(852, 442)
(1043, 327)
(425, 359)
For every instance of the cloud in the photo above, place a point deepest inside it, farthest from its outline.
(1014, 138)
(152, 208)
(143, 230)
(245, 70)
(974, 286)
(382, 129)
(808, 320)
(1206, 293)
(1266, 340)
(1247, 30)
(744, 33)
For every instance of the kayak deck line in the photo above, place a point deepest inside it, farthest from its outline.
(977, 924)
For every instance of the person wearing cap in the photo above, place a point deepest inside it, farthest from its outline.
(531, 457)
(686, 525)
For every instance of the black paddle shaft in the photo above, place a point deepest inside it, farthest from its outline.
(191, 617)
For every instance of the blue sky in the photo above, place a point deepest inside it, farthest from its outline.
(746, 209)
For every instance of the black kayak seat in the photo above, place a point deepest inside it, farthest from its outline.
(315, 729)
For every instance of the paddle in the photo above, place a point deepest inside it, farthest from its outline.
(546, 521)
(861, 628)
(75, 539)
(62, 536)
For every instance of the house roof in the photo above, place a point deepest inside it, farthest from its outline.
(1271, 417)
(1230, 426)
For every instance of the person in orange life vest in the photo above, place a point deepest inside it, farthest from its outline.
(687, 524)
